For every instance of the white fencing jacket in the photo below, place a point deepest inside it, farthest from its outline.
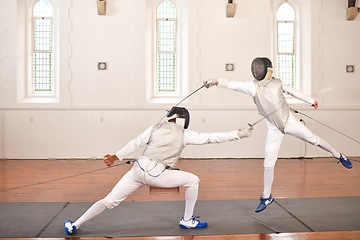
(165, 142)
(268, 97)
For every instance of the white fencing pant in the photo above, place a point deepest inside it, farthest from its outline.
(155, 176)
(273, 142)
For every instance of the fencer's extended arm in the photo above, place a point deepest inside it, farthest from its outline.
(247, 87)
(135, 144)
(299, 95)
(196, 138)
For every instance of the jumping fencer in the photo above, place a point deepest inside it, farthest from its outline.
(164, 143)
(268, 95)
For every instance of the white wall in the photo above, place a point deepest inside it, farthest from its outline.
(100, 111)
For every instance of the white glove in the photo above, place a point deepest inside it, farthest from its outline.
(210, 82)
(245, 131)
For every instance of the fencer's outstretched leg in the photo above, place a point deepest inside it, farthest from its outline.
(297, 129)
(94, 210)
(341, 157)
(127, 184)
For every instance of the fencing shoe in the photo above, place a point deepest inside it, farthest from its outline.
(192, 223)
(345, 161)
(70, 228)
(263, 203)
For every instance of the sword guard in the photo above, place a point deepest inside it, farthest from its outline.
(206, 84)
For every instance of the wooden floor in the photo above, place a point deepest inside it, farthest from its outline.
(74, 180)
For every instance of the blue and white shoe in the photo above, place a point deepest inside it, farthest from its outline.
(192, 223)
(263, 203)
(70, 228)
(345, 161)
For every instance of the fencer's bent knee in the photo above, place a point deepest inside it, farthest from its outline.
(315, 140)
(106, 203)
(269, 164)
(109, 203)
(194, 183)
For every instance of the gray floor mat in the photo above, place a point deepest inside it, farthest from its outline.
(27, 220)
(45, 220)
(331, 214)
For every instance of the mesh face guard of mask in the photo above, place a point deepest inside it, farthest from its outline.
(179, 112)
(259, 68)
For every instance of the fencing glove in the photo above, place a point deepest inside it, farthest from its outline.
(210, 82)
(245, 131)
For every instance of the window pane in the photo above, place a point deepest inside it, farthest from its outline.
(166, 49)
(42, 72)
(286, 69)
(286, 44)
(166, 10)
(42, 61)
(42, 34)
(166, 72)
(285, 37)
(42, 9)
(166, 33)
(285, 12)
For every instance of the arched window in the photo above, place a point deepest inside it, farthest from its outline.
(166, 50)
(285, 22)
(42, 77)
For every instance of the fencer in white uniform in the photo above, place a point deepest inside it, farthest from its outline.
(164, 143)
(268, 95)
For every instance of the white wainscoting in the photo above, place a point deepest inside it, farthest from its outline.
(91, 133)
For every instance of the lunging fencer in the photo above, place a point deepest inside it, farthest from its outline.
(165, 142)
(268, 95)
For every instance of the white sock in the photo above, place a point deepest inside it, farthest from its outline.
(190, 200)
(268, 180)
(93, 211)
(327, 147)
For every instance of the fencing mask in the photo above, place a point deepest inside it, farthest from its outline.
(179, 112)
(259, 68)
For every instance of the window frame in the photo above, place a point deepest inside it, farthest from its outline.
(30, 85)
(177, 92)
(295, 22)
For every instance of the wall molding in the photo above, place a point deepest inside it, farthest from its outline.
(302, 107)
